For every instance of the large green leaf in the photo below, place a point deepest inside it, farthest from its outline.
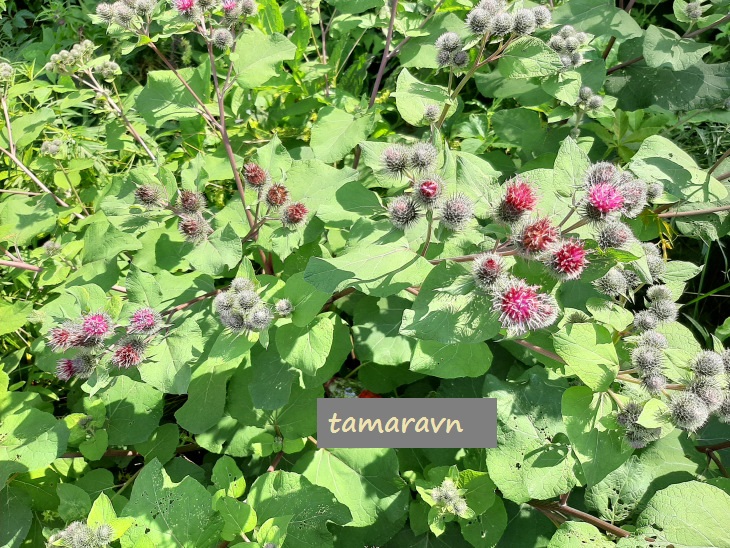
(165, 98)
(664, 48)
(687, 514)
(451, 361)
(375, 331)
(382, 271)
(449, 310)
(336, 133)
(599, 449)
(134, 410)
(29, 440)
(168, 513)
(589, 352)
(258, 57)
(218, 253)
(311, 507)
(659, 159)
(364, 480)
(700, 86)
(207, 391)
(413, 96)
(334, 195)
(167, 363)
(528, 57)
(306, 348)
(532, 459)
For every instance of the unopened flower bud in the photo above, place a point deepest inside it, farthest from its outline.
(105, 12)
(255, 175)
(122, 14)
(294, 214)
(613, 283)
(502, 24)
(652, 339)
(276, 196)
(222, 38)
(542, 15)
(487, 269)
(242, 284)
(629, 414)
(645, 321)
(524, 22)
(145, 7)
(688, 411)
(395, 160)
(478, 21)
(259, 318)
(249, 7)
(190, 201)
(423, 156)
(693, 10)
(456, 212)
(284, 308)
(654, 191)
(6, 72)
(404, 212)
(707, 364)
(659, 293)
(664, 310)
(149, 195)
(431, 113)
(595, 102)
(195, 228)
(614, 234)
(448, 41)
(654, 383)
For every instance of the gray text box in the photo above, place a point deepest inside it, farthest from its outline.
(407, 422)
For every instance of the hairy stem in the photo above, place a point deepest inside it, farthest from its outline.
(381, 70)
(37, 181)
(539, 350)
(672, 214)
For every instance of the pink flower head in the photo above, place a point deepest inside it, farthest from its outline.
(428, 191)
(605, 198)
(537, 236)
(184, 5)
(294, 214)
(569, 259)
(229, 5)
(62, 338)
(96, 326)
(129, 353)
(255, 175)
(520, 197)
(522, 308)
(145, 320)
(65, 369)
(487, 270)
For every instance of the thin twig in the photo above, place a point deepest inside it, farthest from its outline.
(275, 462)
(6, 113)
(37, 181)
(539, 350)
(672, 214)
(399, 46)
(381, 70)
(21, 192)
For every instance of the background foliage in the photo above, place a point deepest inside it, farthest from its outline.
(211, 440)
